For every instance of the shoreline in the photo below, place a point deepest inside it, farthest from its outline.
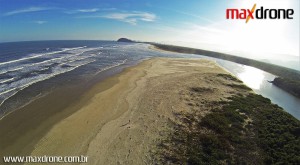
(23, 129)
(287, 79)
(122, 119)
(29, 123)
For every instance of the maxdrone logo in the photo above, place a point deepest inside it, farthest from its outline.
(260, 13)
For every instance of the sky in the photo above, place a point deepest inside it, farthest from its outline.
(195, 23)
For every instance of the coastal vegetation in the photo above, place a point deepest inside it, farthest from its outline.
(288, 79)
(247, 129)
(290, 85)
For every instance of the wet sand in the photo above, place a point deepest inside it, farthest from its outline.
(121, 119)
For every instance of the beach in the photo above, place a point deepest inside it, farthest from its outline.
(123, 118)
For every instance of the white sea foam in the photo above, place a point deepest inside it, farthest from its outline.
(51, 60)
(48, 62)
(5, 100)
(109, 67)
(44, 68)
(7, 91)
(73, 57)
(4, 95)
(7, 80)
(11, 70)
(39, 55)
(66, 49)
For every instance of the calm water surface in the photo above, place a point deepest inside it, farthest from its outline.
(258, 81)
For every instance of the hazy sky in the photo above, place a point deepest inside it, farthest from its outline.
(196, 23)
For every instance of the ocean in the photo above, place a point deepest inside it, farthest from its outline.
(48, 64)
(31, 70)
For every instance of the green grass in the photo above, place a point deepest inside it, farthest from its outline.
(229, 77)
(226, 135)
(239, 86)
(201, 89)
(234, 79)
(289, 85)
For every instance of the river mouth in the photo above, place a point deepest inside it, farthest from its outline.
(258, 81)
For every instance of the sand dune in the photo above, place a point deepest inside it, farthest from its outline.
(123, 118)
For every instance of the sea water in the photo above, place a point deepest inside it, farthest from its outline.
(30, 70)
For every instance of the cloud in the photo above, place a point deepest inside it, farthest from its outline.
(88, 10)
(26, 10)
(206, 29)
(92, 10)
(40, 22)
(131, 17)
(187, 14)
(193, 15)
(109, 9)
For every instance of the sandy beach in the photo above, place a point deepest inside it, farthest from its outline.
(121, 119)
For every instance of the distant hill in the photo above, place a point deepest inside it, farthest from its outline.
(124, 40)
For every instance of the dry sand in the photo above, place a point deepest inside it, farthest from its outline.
(123, 118)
